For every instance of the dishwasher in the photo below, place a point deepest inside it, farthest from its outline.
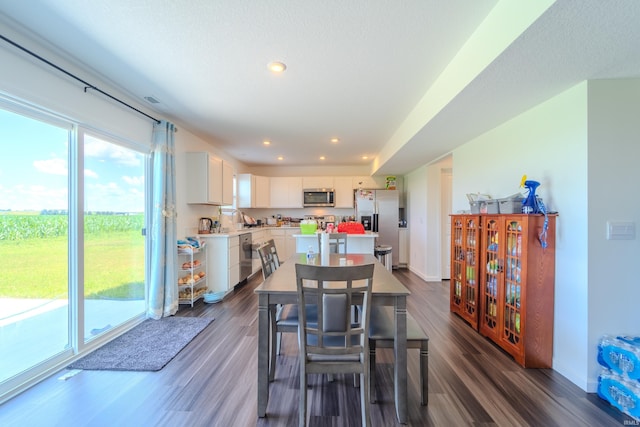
(246, 252)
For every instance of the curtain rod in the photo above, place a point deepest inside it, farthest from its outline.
(87, 85)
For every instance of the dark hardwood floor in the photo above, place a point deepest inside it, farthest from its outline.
(212, 382)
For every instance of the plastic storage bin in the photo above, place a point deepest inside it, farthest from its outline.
(510, 205)
(484, 207)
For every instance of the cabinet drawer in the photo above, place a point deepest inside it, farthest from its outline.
(234, 254)
(233, 241)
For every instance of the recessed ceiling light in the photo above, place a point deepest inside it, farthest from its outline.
(276, 67)
(322, 157)
(280, 158)
(266, 142)
(335, 140)
(365, 157)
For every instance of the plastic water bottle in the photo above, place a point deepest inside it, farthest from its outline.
(310, 255)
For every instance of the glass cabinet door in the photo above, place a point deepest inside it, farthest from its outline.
(491, 280)
(511, 322)
(457, 262)
(465, 263)
(470, 294)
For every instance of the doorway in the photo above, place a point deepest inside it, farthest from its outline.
(446, 183)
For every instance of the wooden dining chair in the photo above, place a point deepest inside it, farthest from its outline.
(285, 317)
(333, 344)
(269, 258)
(337, 242)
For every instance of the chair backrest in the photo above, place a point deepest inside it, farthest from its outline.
(337, 242)
(334, 290)
(269, 258)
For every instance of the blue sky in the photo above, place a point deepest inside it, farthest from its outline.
(34, 169)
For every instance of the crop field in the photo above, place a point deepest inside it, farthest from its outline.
(34, 256)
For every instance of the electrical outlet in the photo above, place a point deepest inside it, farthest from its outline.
(621, 230)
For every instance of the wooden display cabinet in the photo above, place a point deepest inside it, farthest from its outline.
(465, 263)
(517, 286)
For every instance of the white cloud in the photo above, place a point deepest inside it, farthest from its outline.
(52, 166)
(90, 173)
(134, 180)
(97, 148)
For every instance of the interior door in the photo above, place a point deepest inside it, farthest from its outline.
(445, 193)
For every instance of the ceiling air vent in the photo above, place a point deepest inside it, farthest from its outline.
(151, 99)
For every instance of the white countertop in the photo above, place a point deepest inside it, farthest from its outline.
(367, 234)
(351, 236)
(247, 230)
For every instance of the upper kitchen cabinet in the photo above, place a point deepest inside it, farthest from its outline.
(253, 191)
(286, 192)
(311, 182)
(210, 180)
(343, 186)
(227, 183)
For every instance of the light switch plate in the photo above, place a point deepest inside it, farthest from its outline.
(621, 230)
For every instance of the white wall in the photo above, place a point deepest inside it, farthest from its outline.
(416, 186)
(614, 153)
(33, 83)
(549, 144)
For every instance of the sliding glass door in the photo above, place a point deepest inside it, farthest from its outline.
(114, 261)
(72, 247)
(34, 237)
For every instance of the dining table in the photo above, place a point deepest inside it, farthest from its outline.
(280, 288)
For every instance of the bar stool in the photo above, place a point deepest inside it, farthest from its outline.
(383, 253)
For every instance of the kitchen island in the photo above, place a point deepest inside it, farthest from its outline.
(356, 243)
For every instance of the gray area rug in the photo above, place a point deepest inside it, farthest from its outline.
(147, 347)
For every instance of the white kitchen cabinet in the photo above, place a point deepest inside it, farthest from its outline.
(253, 191)
(227, 183)
(285, 241)
(285, 192)
(343, 186)
(258, 238)
(206, 182)
(278, 236)
(290, 241)
(311, 182)
(223, 262)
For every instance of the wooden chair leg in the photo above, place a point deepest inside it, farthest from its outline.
(278, 342)
(424, 372)
(364, 400)
(302, 408)
(372, 371)
(272, 345)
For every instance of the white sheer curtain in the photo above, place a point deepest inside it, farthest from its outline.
(163, 280)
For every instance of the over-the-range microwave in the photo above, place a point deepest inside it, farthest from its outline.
(318, 197)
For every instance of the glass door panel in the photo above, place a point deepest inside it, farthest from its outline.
(114, 245)
(34, 227)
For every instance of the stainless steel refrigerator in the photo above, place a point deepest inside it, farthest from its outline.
(378, 211)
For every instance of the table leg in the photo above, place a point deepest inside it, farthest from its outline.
(400, 350)
(263, 354)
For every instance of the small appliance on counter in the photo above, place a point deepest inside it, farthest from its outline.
(205, 226)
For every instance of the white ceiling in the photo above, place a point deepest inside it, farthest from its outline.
(403, 82)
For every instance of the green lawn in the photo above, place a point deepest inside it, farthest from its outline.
(37, 267)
